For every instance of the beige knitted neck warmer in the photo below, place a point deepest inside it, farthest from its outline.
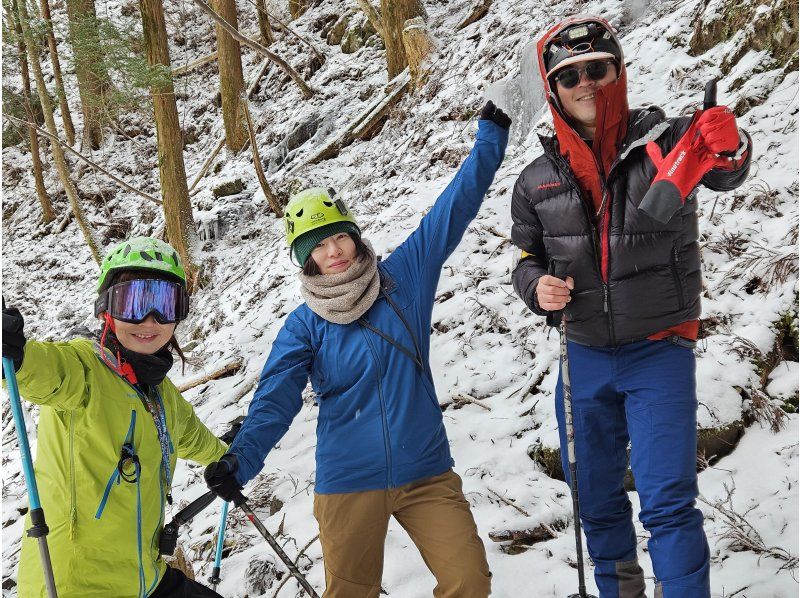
(344, 297)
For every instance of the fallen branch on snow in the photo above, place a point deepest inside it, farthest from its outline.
(740, 534)
(232, 367)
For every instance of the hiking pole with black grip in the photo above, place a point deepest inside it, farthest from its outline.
(241, 502)
(560, 271)
(39, 529)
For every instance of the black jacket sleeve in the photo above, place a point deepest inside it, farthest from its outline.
(526, 233)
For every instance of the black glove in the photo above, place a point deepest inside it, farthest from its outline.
(230, 435)
(13, 336)
(497, 116)
(221, 479)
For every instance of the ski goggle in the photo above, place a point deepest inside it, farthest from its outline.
(134, 300)
(570, 76)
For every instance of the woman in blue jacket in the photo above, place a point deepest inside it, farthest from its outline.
(362, 337)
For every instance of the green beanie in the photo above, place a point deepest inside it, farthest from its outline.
(305, 243)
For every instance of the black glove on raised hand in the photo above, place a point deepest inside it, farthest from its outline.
(13, 336)
(221, 479)
(497, 116)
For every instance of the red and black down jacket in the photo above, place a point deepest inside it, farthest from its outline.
(654, 279)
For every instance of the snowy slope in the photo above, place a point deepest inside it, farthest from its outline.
(485, 343)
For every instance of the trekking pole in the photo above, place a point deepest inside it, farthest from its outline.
(168, 540)
(573, 465)
(39, 529)
(215, 579)
(241, 502)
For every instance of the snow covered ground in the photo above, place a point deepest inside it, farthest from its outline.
(485, 343)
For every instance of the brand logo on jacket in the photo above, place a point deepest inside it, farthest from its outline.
(552, 185)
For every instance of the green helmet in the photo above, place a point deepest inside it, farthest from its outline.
(140, 253)
(311, 216)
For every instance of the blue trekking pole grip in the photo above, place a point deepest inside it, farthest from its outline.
(223, 518)
(39, 529)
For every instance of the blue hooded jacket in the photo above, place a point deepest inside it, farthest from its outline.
(380, 425)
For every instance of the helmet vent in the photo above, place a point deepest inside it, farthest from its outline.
(145, 257)
(299, 214)
(328, 203)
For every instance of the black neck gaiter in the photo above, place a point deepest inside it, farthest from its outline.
(150, 370)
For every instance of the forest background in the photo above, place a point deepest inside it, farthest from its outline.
(194, 121)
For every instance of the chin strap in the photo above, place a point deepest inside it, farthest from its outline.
(123, 368)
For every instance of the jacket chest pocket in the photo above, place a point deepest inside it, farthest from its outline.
(128, 467)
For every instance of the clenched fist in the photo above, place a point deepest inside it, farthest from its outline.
(553, 293)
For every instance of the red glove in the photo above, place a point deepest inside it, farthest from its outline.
(680, 171)
(718, 128)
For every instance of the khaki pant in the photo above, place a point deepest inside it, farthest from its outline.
(436, 516)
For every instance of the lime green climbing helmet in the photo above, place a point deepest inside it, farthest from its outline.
(140, 253)
(313, 215)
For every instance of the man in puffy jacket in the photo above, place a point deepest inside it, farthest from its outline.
(629, 287)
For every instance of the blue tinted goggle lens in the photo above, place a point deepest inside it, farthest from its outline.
(134, 300)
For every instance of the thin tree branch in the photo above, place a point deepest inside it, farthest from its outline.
(182, 70)
(231, 367)
(262, 179)
(91, 163)
(304, 88)
(272, 17)
(207, 163)
(468, 399)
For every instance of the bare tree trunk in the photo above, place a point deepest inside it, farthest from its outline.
(394, 14)
(93, 81)
(47, 108)
(418, 45)
(231, 79)
(66, 115)
(178, 218)
(263, 23)
(44, 200)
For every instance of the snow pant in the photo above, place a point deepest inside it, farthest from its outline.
(175, 584)
(644, 393)
(434, 512)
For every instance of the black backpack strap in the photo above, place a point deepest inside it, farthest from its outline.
(416, 357)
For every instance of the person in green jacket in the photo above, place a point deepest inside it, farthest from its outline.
(111, 428)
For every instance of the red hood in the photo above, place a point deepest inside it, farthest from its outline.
(612, 119)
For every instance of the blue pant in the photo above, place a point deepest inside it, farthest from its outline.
(643, 392)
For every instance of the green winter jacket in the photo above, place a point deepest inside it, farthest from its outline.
(88, 413)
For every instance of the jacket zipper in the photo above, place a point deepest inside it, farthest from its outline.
(676, 277)
(138, 498)
(115, 475)
(564, 168)
(386, 442)
(73, 507)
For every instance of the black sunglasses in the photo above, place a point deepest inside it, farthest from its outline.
(596, 70)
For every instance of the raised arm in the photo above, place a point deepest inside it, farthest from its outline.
(421, 256)
(277, 400)
(52, 374)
